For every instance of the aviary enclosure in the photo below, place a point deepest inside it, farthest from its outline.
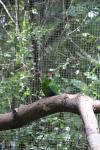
(49, 57)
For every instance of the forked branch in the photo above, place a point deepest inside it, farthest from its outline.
(79, 104)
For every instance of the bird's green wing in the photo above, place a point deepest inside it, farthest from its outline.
(54, 87)
(45, 85)
(49, 87)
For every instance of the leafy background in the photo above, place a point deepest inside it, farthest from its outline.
(59, 36)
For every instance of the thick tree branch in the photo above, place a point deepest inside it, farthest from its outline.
(44, 107)
(78, 103)
(36, 110)
(90, 123)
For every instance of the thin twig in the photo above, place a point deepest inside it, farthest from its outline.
(4, 6)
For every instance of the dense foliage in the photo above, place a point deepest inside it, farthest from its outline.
(40, 36)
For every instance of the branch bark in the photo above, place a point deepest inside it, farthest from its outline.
(90, 123)
(78, 103)
(17, 15)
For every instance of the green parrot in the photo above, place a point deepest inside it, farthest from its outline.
(49, 86)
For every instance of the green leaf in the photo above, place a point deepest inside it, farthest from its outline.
(91, 75)
(79, 84)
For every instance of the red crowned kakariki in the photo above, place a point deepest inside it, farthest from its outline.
(49, 86)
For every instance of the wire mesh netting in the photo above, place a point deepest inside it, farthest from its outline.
(48, 37)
